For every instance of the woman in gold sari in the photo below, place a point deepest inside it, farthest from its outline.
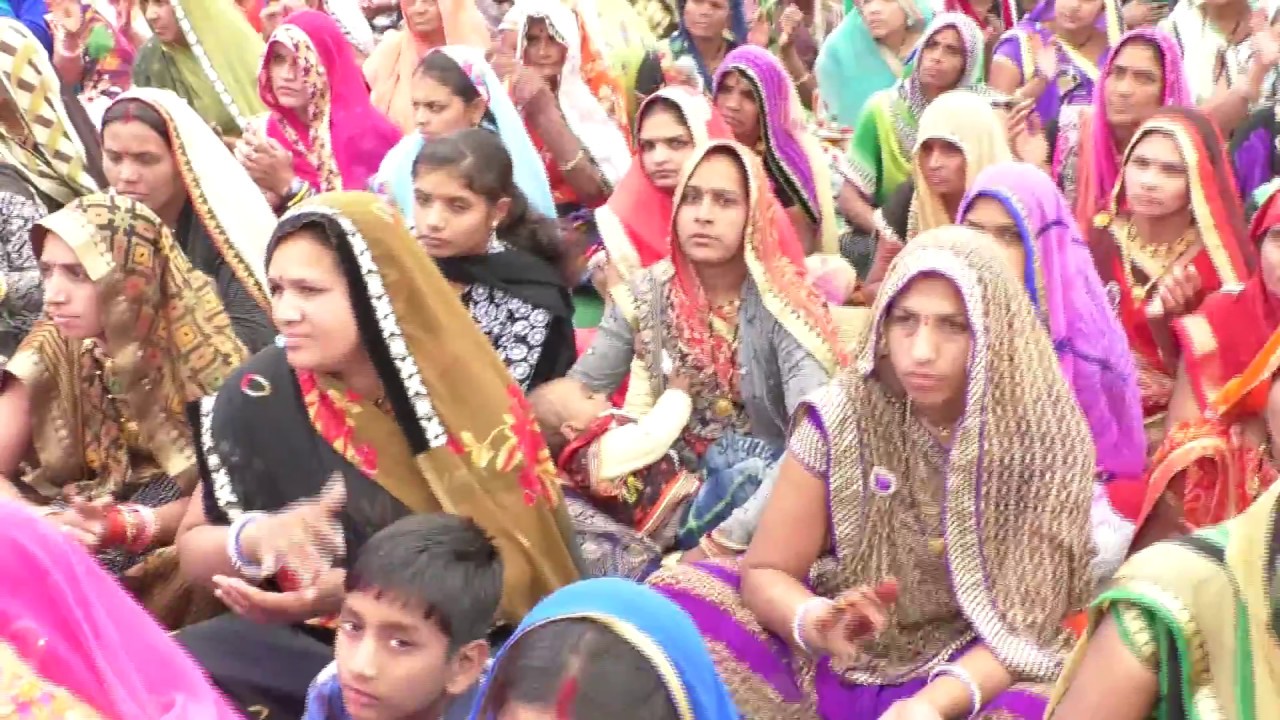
(94, 399)
(385, 383)
(948, 466)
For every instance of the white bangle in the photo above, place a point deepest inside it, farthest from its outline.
(959, 673)
(797, 621)
(235, 553)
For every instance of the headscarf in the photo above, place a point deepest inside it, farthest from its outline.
(63, 162)
(852, 65)
(73, 623)
(1008, 12)
(1098, 161)
(656, 627)
(591, 100)
(468, 444)
(355, 26)
(222, 195)
(395, 174)
(1230, 328)
(635, 224)
(167, 341)
(793, 156)
(682, 45)
(344, 137)
(1021, 572)
(1201, 42)
(390, 68)
(1067, 294)
(215, 71)
(967, 121)
(775, 263)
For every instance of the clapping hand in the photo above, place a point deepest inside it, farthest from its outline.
(1178, 291)
(837, 628)
(305, 539)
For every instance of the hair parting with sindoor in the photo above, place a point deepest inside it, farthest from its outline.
(478, 157)
(582, 670)
(134, 110)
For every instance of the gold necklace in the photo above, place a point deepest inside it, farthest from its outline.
(1163, 255)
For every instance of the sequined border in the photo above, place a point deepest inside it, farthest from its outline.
(197, 49)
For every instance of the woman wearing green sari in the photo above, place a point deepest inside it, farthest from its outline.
(950, 55)
(208, 55)
(868, 52)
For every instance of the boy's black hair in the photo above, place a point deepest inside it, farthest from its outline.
(445, 563)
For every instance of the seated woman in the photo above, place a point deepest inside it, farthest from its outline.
(94, 397)
(208, 56)
(323, 134)
(605, 648)
(502, 257)
(1185, 630)
(384, 385)
(635, 224)
(1172, 236)
(1022, 211)
(73, 645)
(758, 100)
(158, 151)
(48, 156)
(583, 148)
(956, 422)
(390, 70)
(731, 309)
(453, 89)
(960, 135)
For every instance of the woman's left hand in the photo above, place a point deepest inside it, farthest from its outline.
(1026, 135)
(270, 165)
(1179, 291)
(264, 606)
(787, 24)
(911, 709)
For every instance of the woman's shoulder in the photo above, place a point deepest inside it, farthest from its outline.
(262, 376)
(1190, 572)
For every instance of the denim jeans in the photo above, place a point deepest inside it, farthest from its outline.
(732, 470)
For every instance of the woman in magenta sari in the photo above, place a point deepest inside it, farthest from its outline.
(323, 133)
(1021, 209)
(74, 644)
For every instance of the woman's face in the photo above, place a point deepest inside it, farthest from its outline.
(163, 21)
(139, 164)
(542, 51)
(1134, 86)
(928, 337)
(423, 17)
(70, 297)
(736, 100)
(942, 60)
(438, 112)
(943, 165)
(706, 19)
(990, 216)
(311, 304)
(287, 82)
(712, 213)
(450, 220)
(1269, 260)
(1155, 178)
(884, 17)
(1075, 15)
(665, 143)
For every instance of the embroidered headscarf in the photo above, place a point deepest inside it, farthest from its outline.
(395, 174)
(590, 98)
(59, 165)
(635, 224)
(391, 67)
(792, 155)
(343, 137)
(775, 263)
(167, 342)
(852, 65)
(1098, 160)
(656, 627)
(1068, 296)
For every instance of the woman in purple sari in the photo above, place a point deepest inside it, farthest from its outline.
(951, 459)
(1030, 223)
(1081, 33)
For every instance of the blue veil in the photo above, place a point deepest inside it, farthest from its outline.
(681, 43)
(395, 175)
(850, 67)
(654, 626)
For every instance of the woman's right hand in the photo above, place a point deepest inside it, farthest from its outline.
(836, 629)
(306, 538)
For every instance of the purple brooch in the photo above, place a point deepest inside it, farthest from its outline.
(883, 482)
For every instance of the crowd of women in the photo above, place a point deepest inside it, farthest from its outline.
(909, 361)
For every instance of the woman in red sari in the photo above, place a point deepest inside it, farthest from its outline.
(1172, 236)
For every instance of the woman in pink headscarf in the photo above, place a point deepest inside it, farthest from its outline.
(74, 644)
(323, 133)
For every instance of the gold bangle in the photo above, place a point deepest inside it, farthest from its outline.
(582, 153)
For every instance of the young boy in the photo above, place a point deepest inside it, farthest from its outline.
(411, 641)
